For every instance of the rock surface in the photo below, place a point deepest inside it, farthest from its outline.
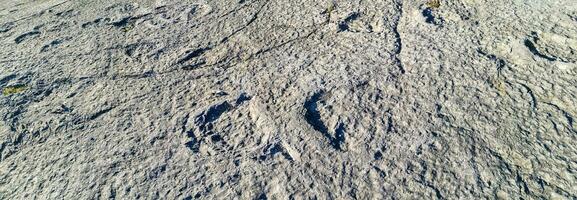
(261, 99)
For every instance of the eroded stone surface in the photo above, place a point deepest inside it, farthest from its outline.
(288, 99)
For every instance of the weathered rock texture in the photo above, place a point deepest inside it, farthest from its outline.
(288, 99)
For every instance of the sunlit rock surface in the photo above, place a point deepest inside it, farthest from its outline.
(257, 99)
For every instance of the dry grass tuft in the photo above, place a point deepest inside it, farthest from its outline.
(13, 89)
(434, 3)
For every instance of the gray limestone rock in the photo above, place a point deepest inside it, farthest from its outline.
(258, 99)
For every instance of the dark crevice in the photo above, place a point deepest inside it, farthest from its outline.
(533, 98)
(193, 144)
(430, 17)
(243, 97)
(522, 184)
(122, 22)
(428, 14)
(531, 46)
(313, 118)
(205, 119)
(437, 191)
(381, 172)
(7, 78)
(216, 138)
(262, 196)
(100, 113)
(339, 136)
(378, 155)
(25, 36)
(129, 20)
(500, 62)
(272, 150)
(399, 39)
(344, 24)
(193, 54)
(7, 27)
(95, 22)
(3, 145)
(54, 43)
(193, 66)
(390, 125)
